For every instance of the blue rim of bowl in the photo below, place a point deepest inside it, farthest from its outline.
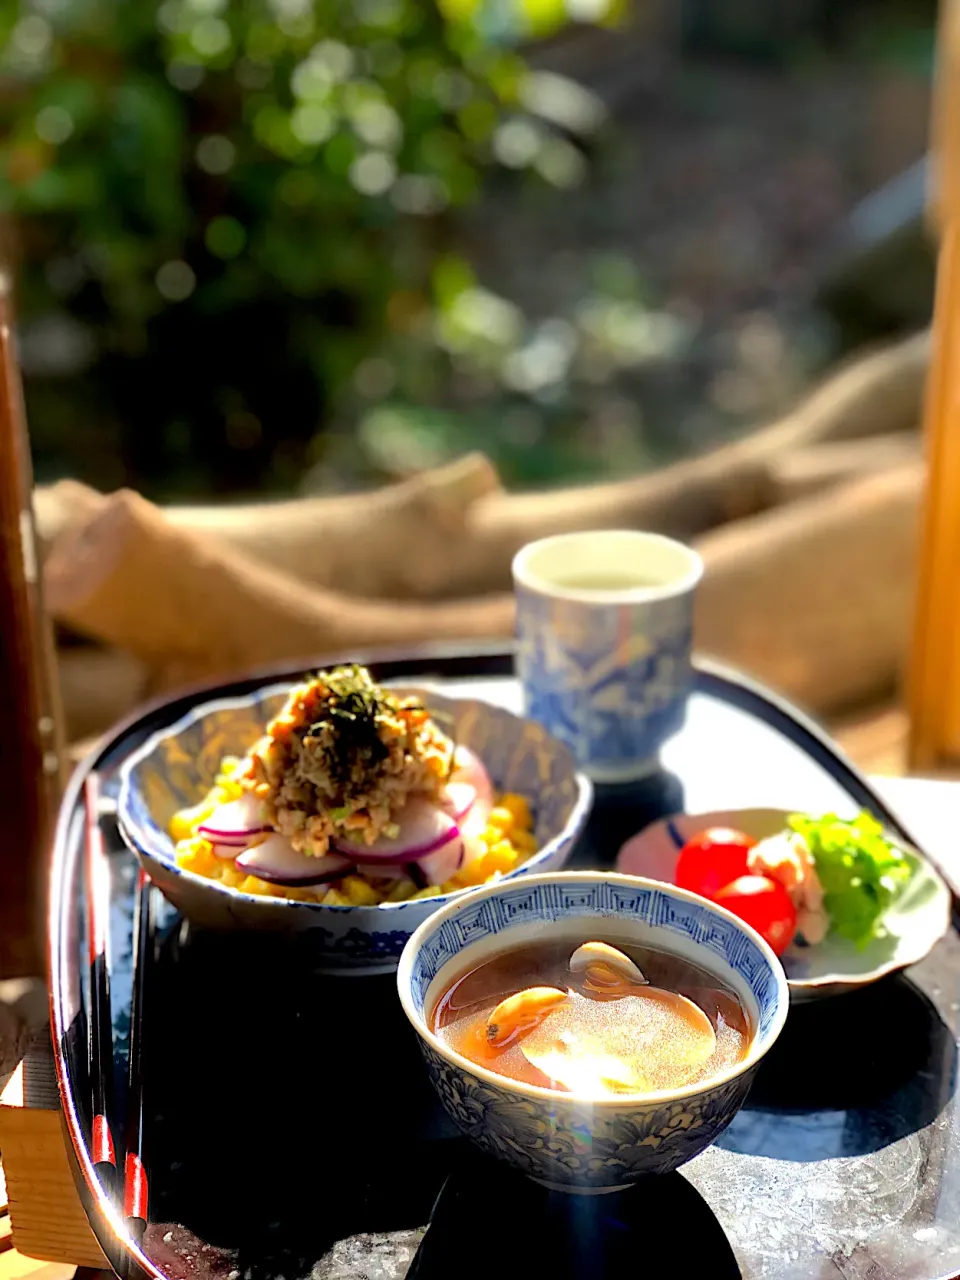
(754, 1055)
(573, 826)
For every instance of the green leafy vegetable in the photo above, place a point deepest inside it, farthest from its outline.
(862, 873)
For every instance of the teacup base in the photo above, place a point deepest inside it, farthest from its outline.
(572, 1190)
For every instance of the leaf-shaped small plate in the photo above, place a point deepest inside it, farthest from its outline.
(917, 920)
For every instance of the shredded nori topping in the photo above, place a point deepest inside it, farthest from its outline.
(354, 707)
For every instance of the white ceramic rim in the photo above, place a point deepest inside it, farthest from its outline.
(753, 1056)
(530, 581)
(265, 902)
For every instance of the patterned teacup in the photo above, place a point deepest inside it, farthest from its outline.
(604, 624)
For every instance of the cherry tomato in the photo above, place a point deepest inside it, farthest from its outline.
(764, 904)
(712, 859)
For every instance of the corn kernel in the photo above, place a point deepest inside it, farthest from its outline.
(501, 818)
(431, 891)
(295, 895)
(359, 892)
(518, 807)
(502, 857)
(252, 884)
(184, 823)
(473, 873)
(401, 891)
(188, 859)
(524, 841)
(230, 876)
(196, 854)
(333, 898)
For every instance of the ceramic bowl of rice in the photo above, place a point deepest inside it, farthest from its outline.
(346, 812)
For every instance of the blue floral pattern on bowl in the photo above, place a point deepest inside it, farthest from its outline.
(175, 768)
(577, 1147)
(553, 1137)
(612, 684)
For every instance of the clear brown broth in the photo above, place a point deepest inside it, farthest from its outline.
(460, 1016)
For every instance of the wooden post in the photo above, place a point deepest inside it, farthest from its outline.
(30, 755)
(934, 675)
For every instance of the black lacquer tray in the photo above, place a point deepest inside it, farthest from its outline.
(291, 1132)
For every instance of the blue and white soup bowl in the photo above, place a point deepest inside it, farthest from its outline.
(604, 633)
(177, 766)
(564, 1141)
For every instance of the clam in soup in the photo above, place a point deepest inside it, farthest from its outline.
(594, 1019)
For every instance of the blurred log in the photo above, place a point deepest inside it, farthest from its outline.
(400, 541)
(453, 531)
(99, 687)
(179, 601)
(815, 599)
(805, 472)
(60, 507)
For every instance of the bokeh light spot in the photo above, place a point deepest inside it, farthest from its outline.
(378, 124)
(373, 173)
(560, 163)
(225, 237)
(31, 36)
(54, 125)
(311, 79)
(210, 36)
(312, 123)
(516, 143)
(175, 280)
(215, 153)
(335, 57)
(172, 17)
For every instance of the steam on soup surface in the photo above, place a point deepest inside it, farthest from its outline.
(595, 1019)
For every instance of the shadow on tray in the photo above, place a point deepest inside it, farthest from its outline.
(286, 1111)
(530, 1231)
(848, 1076)
(292, 1132)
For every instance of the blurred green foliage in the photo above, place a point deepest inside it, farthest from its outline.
(223, 209)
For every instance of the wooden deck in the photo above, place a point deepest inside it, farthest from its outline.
(875, 739)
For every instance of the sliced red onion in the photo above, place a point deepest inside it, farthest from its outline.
(226, 850)
(469, 769)
(471, 831)
(424, 826)
(432, 868)
(234, 822)
(459, 798)
(276, 861)
(439, 866)
(416, 875)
